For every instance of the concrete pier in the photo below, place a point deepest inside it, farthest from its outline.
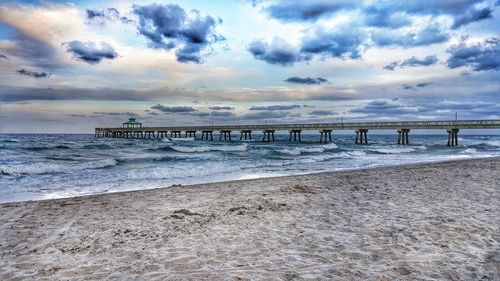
(246, 134)
(296, 135)
(207, 135)
(361, 136)
(268, 135)
(403, 136)
(134, 130)
(325, 136)
(226, 134)
(452, 136)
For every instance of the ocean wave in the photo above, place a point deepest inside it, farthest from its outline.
(97, 146)
(351, 154)
(494, 143)
(9, 140)
(393, 150)
(223, 148)
(183, 171)
(50, 168)
(300, 150)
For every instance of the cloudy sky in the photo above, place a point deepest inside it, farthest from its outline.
(72, 66)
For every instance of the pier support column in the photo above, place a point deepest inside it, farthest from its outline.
(246, 134)
(361, 136)
(191, 134)
(325, 136)
(268, 135)
(207, 135)
(452, 136)
(403, 136)
(225, 134)
(176, 134)
(296, 135)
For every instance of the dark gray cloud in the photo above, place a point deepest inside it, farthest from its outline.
(463, 12)
(33, 74)
(407, 87)
(306, 80)
(275, 107)
(322, 112)
(278, 52)
(412, 62)
(174, 109)
(473, 15)
(264, 115)
(38, 53)
(90, 52)
(392, 65)
(478, 57)
(290, 11)
(221, 107)
(222, 114)
(170, 27)
(423, 84)
(431, 34)
(101, 16)
(14, 94)
(2, 56)
(387, 107)
(422, 107)
(341, 43)
(117, 113)
(377, 16)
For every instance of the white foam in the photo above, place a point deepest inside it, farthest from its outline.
(45, 168)
(470, 151)
(300, 150)
(225, 148)
(350, 154)
(329, 146)
(181, 139)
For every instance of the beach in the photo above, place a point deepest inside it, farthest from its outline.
(436, 221)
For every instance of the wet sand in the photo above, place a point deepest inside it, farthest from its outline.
(422, 222)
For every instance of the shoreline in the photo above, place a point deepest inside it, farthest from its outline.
(435, 221)
(265, 178)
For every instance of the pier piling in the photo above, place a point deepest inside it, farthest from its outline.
(296, 135)
(176, 134)
(244, 134)
(190, 133)
(226, 134)
(207, 135)
(361, 136)
(403, 136)
(452, 136)
(325, 136)
(268, 135)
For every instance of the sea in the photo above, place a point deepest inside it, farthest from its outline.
(37, 167)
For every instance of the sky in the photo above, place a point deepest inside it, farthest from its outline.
(72, 66)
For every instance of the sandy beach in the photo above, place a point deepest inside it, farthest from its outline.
(423, 222)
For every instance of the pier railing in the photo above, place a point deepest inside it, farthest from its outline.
(461, 124)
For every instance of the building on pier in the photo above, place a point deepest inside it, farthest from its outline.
(132, 123)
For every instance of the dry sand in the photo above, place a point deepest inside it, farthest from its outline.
(422, 222)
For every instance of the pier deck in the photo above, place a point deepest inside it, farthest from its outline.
(361, 129)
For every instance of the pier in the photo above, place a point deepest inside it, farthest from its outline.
(135, 130)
